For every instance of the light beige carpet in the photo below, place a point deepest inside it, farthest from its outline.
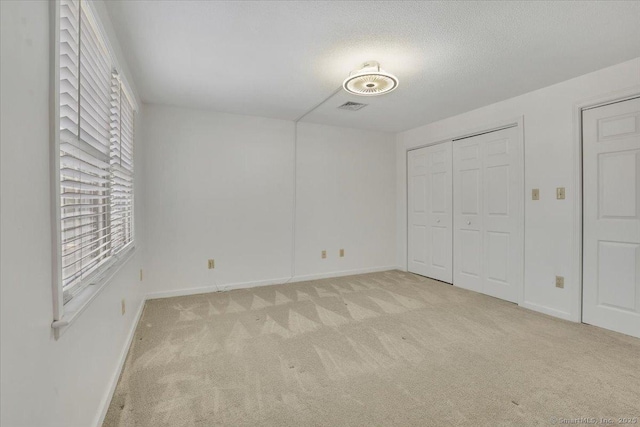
(382, 349)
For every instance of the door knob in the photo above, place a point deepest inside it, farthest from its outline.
(468, 222)
(438, 221)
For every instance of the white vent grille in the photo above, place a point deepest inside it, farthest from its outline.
(352, 106)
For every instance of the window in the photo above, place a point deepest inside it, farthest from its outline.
(95, 149)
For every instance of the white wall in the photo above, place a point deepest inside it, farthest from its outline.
(221, 186)
(551, 159)
(218, 186)
(346, 200)
(47, 382)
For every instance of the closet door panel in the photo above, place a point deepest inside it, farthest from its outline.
(488, 226)
(430, 212)
(503, 226)
(417, 212)
(467, 218)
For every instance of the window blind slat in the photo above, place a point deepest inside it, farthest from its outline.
(83, 176)
(95, 99)
(70, 237)
(81, 186)
(82, 245)
(85, 152)
(122, 182)
(71, 292)
(83, 196)
(94, 87)
(83, 206)
(82, 232)
(80, 216)
(78, 244)
(84, 269)
(71, 162)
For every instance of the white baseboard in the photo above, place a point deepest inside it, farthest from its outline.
(216, 288)
(106, 401)
(268, 282)
(547, 310)
(329, 275)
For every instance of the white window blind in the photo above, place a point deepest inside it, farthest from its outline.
(96, 152)
(121, 167)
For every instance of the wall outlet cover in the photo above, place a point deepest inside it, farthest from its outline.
(559, 282)
(324, 254)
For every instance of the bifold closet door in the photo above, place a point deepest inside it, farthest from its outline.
(611, 236)
(488, 222)
(430, 213)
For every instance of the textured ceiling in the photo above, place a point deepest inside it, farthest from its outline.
(279, 59)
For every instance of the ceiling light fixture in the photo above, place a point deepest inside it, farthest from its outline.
(370, 80)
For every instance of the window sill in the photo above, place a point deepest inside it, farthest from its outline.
(80, 302)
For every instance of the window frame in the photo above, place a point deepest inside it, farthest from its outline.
(64, 314)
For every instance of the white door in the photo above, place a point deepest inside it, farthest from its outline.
(430, 216)
(611, 188)
(488, 218)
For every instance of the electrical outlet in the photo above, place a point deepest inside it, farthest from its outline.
(341, 253)
(560, 193)
(211, 264)
(535, 194)
(560, 282)
(324, 254)
(124, 306)
(141, 275)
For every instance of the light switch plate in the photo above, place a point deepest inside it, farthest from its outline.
(324, 254)
(341, 253)
(560, 193)
(535, 194)
(211, 264)
(560, 282)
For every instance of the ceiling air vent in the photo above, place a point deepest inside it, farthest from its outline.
(352, 106)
